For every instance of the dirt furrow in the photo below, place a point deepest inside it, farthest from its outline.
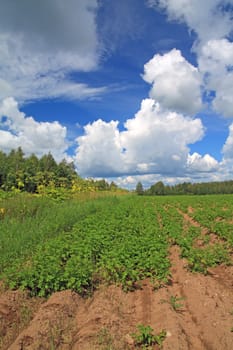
(207, 307)
(201, 320)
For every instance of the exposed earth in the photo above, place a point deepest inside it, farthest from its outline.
(195, 310)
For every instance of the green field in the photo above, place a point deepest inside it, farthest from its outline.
(47, 246)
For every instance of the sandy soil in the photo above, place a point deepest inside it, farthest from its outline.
(202, 320)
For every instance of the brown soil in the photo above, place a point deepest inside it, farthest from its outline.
(203, 320)
(16, 312)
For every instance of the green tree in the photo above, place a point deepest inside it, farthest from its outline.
(47, 163)
(158, 188)
(139, 189)
(102, 185)
(113, 186)
(3, 168)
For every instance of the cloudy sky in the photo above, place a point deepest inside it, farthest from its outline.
(130, 90)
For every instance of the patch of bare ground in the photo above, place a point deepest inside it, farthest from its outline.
(206, 320)
(16, 311)
(201, 320)
(190, 210)
(52, 325)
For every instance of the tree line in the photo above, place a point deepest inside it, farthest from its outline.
(32, 174)
(159, 188)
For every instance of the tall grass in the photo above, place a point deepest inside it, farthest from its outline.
(29, 221)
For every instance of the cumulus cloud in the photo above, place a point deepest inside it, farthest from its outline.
(197, 163)
(155, 141)
(34, 137)
(40, 44)
(175, 82)
(99, 151)
(211, 20)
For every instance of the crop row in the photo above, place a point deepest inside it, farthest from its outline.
(214, 213)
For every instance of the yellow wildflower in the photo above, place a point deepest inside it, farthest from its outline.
(2, 212)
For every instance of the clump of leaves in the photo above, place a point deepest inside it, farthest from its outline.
(175, 302)
(145, 338)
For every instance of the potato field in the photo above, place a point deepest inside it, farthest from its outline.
(135, 244)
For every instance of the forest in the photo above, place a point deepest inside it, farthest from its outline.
(36, 175)
(186, 188)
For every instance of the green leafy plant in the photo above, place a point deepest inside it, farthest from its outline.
(145, 338)
(175, 302)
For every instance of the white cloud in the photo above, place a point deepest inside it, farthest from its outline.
(216, 55)
(155, 141)
(228, 146)
(216, 64)
(176, 83)
(40, 44)
(223, 102)
(34, 137)
(158, 138)
(205, 164)
(209, 19)
(99, 151)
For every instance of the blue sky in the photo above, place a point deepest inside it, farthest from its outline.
(129, 90)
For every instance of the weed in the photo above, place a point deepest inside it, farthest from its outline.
(25, 314)
(174, 301)
(104, 339)
(56, 334)
(145, 338)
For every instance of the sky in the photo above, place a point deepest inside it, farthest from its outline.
(129, 90)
